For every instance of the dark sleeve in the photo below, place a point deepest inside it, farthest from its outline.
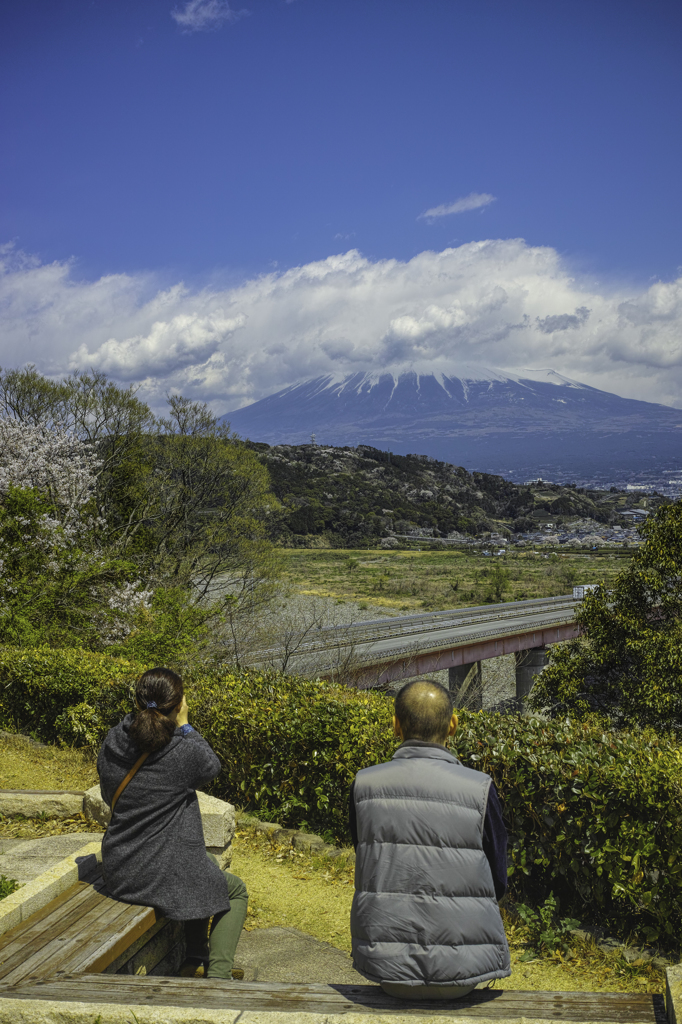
(495, 842)
(202, 764)
(352, 818)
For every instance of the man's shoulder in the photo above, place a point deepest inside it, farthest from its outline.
(398, 766)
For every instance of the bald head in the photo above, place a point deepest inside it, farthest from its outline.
(424, 711)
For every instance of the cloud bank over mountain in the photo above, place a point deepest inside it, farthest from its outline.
(498, 302)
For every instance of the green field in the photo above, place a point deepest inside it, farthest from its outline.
(431, 580)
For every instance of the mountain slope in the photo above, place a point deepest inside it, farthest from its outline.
(355, 496)
(526, 424)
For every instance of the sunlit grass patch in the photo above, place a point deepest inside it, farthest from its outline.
(313, 893)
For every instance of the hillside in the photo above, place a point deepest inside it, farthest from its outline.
(346, 497)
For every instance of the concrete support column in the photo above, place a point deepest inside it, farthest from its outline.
(528, 665)
(466, 686)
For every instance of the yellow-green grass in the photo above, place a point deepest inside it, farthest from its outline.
(314, 894)
(430, 580)
(24, 766)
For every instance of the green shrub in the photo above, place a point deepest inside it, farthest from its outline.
(547, 933)
(627, 662)
(63, 694)
(594, 815)
(289, 746)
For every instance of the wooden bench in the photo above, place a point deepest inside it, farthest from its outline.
(273, 997)
(85, 947)
(83, 931)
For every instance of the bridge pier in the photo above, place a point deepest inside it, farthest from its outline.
(465, 683)
(528, 665)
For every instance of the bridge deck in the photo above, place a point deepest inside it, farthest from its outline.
(385, 650)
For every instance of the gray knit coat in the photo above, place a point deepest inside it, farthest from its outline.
(153, 852)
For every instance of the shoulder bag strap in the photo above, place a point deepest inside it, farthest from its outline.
(138, 764)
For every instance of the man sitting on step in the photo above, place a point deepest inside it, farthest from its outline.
(431, 861)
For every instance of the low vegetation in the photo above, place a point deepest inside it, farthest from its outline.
(25, 766)
(594, 814)
(411, 581)
(7, 886)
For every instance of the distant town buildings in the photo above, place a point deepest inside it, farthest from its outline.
(582, 533)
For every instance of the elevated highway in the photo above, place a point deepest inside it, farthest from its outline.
(385, 651)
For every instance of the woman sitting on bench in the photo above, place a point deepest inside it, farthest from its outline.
(153, 853)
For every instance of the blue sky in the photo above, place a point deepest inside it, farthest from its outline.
(190, 155)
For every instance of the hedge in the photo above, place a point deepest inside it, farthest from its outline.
(64, 695)
(593, 815)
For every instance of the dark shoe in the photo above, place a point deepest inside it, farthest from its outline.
(192, 966)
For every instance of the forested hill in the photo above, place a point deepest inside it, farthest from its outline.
(354, 495)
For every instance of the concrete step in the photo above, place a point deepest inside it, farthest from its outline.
(25, 859)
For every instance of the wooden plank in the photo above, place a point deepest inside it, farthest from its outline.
(129, 953)
(83, 929)
(98, 914)
(43, 956)
(87, 936)
(130, 928)
(614, 1008)
(32, 933)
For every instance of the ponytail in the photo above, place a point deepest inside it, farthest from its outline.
(157, 693)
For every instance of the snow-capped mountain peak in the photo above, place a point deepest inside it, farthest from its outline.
(523, 421)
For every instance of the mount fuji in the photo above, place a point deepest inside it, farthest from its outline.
(521, 424)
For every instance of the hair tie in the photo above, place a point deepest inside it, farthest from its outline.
(151, 704)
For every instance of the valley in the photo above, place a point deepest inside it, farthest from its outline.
(400, 582)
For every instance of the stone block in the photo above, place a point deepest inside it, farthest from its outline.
(52, 1011)
(284, 835)
(33, 802)
(94, 806)
(268, 827)
(223, 856)
(308, 842)
(34, 857)
(673, 994)
(218, 820)
(334, 852)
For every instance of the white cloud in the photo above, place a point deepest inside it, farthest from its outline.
(474, 201)
(497, 303)
(205, 15)
(184, 340)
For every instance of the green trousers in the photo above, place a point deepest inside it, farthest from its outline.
(219, 945)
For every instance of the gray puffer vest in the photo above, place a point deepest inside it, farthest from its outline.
(424, 910)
